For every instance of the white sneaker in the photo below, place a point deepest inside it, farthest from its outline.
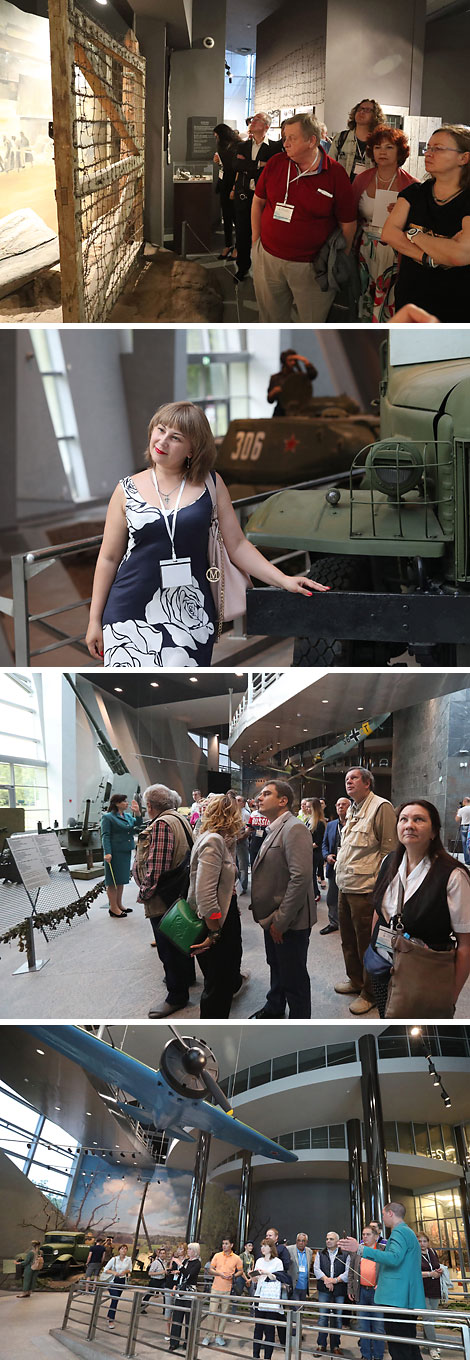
(435, 1354)
(205, 1341)
(219, 1341)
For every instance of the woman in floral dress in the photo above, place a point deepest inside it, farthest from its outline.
(378, 262)
(152, 603)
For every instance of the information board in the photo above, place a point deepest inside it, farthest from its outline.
(29, 862)
(50, 849)
(201, 140)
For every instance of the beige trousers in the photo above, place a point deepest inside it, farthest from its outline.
(218, 1309)
(287, 290)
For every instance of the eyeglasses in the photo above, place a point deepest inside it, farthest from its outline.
(435, 147)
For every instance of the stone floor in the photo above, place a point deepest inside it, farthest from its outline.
(107, 968)
(24, 1327)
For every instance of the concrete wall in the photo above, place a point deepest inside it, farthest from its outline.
(26, 1212)
(153, 372)
(310, 1206)
(431, 755)
(378, 53)
(445, 76)
(290, 57)
(197, 76)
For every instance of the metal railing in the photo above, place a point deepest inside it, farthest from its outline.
(25, 566)
(137, 1320)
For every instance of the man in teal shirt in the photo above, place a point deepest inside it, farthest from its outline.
(400, 1282)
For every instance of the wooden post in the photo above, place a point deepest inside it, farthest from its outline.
(71, 267)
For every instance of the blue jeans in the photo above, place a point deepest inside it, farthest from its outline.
(373, 1323)
(464, 839)
(329, 1318)
(115, 1294)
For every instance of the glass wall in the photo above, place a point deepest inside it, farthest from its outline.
(41, 1149)
(439, 1214)
(217, 374)
(23, 769)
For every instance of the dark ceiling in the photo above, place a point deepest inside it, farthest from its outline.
(147, 691)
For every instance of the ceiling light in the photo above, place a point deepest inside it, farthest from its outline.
(325, 701)
(41, 1051)
(239, 672)
(305, 729)
(415, 1030)
(154, 684)
(360, 709)
(193, 679)
(57, 1107)
(117, 689)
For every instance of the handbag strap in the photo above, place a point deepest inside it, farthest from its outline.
(212, 489)
(401, 897)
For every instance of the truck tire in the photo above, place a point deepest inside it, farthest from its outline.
(341, 573)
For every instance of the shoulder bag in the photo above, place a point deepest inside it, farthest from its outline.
(227, 582)
(422, 980)
(182, 927)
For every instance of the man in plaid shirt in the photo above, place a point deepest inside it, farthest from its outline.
(165, 845)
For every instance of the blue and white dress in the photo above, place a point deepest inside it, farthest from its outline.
(143, 623)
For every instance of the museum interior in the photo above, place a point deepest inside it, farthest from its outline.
(109, 209)
(370, 1122)
(73, 741)
(76, 407)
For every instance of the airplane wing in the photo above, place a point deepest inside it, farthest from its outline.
(150, 1088)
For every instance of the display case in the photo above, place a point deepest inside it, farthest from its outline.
(193, 203)
(190, 172)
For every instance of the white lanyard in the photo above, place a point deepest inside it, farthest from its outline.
(171, 532)
(299, 176)
(361, 155)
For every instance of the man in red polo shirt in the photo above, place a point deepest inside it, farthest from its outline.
(299, 200)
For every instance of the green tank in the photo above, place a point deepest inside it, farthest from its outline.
(393, 543)
(317, 436)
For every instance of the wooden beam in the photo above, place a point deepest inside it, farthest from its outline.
(110, 107)
(71, 270)
(89, 184)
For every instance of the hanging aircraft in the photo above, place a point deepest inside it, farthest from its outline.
(172, 1098)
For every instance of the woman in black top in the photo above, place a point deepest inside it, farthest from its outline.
(431, 1271)
(435, 891)
(185, 1284)
(430, 228)
(226, 140)
(316, 826)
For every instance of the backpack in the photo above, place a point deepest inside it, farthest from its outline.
(341, 141)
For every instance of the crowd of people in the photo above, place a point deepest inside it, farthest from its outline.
(324, 219)
(399, 902)
(403, 1270)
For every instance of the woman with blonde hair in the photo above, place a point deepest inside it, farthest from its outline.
(316, 826)
(212, 895)
(152, 603)
(430, 228)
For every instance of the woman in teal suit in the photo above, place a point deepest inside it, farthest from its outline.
(117, 835)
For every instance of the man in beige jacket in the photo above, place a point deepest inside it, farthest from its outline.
(369, 833)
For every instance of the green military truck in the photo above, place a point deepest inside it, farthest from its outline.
(393, 541)
(63, 1252)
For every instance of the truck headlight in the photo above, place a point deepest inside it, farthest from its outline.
(394, 466)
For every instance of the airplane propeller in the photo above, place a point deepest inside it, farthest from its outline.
(190, 1068)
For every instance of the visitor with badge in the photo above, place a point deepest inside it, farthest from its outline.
(349, 147)
(300, 200)
(375, 193)
(171, 537)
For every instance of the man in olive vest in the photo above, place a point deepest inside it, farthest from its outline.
(164, 846)
(369, 833)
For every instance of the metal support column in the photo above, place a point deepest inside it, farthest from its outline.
(463, 1156)
(245, 1201)
(377, 1170)
(196, 1198)
(356, 1185)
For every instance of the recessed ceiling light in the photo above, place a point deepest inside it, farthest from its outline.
(360, 709)
(305, 729)
(325, 701)
(277, 726)
(117, 690)
(41, 1051)
(89, 1113)
(154, 684)
(193, 679)
(57, 1107)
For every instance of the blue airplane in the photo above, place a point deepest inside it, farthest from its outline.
(170, 1098)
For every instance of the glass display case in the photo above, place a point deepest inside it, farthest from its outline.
(191, 172)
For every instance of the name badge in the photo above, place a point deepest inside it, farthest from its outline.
(283, 212)
(175, 571)
(383, 943)
(326, 192)
(359, 167)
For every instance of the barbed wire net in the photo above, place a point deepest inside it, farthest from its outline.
(108, 104)
(15, 904)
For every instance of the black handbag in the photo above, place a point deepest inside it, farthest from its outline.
(175, 882)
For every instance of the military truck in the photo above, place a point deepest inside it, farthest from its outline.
(63, 1252)
(316, 437)
(394, 542)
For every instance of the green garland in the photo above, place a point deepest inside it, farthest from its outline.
(52, 918)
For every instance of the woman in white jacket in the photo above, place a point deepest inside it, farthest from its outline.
(117, 1271)
(212, 894)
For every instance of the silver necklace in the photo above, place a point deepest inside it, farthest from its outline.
(166, 496)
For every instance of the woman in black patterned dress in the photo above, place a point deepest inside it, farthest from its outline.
(152, 604)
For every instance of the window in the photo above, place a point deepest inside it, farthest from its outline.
(41, 1149)
(217, 374)
(311, 1058)
(393, 1045)
(337, 1136)
(340, 1053)
(390, 1135)
(241, 1082)
(301, 1140)
(285, 1066)
(319, 1137)
(421, 1140)
(47, 345)
(405, 1138)
(23, 769)
(260, 1074)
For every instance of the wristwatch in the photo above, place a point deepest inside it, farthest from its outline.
(413, 231)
